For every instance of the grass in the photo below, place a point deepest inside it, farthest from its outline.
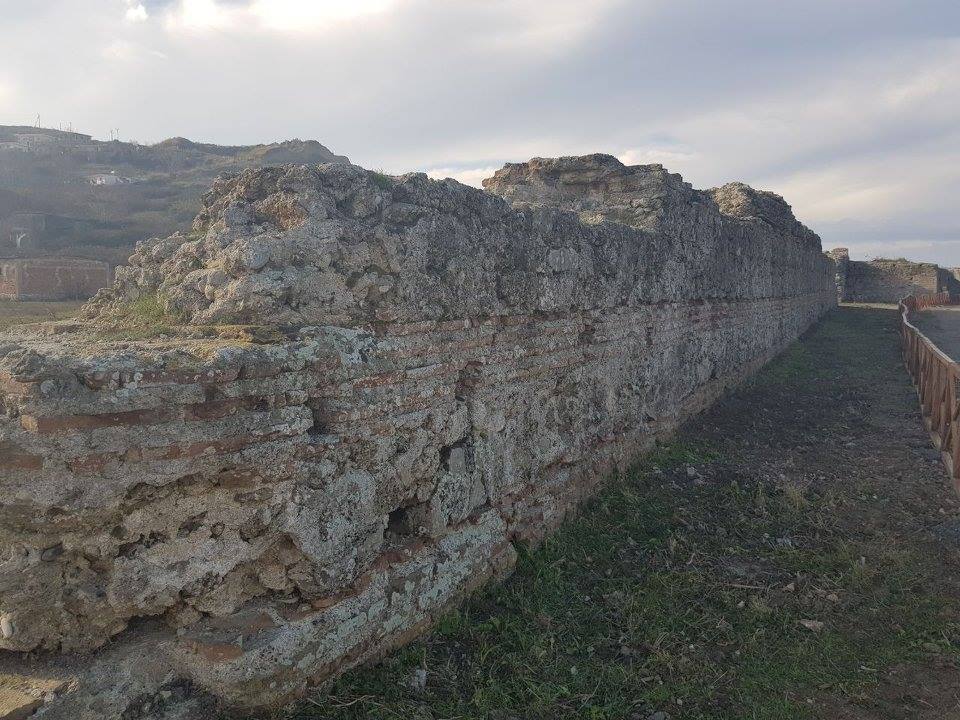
(688, 587)
(795, 363)
(628, 610)
(140, 319)
(381, 179)
(15, 312)
(147, 318)
(143, 319)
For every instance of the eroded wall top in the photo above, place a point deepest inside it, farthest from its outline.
(336, 244)
(888, 280)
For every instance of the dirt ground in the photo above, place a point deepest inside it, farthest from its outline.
(14, 312)
(794, 553)
(942, 326)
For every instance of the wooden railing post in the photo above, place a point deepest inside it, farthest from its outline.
(936, 377)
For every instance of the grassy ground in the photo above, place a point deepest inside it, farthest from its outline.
(147, 319)
(14, 312)
(141, 319)
(780, 559)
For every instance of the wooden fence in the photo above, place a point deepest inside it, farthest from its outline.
(936, 377)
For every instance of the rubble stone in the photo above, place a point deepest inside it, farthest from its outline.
(432, 373)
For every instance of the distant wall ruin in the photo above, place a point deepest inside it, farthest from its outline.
(887, 281)
(449, 375)
(52, 278)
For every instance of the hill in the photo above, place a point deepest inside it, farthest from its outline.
(66, 193)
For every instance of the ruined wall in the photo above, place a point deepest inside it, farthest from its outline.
(841, 258)
(52, 278)
(444, 374)
(887, 281)
(8, 281)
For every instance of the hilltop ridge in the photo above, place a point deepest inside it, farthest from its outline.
(66, 193)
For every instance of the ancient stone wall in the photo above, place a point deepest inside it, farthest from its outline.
(248, 509)
(52, 278)
(841, 258)
(887, 281)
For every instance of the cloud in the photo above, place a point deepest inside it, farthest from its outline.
(124, 51)
(119, 50)
(850, 115)
(468, 176)
(303, 15)
(297, 16)
(668, 156)
(202, 15)
(136, 12)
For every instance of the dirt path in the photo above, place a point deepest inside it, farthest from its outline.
(19, 312)
(793, 554)
(942, 326)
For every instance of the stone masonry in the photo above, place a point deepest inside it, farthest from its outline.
(887, 281)
(378, 386)
(841, 258)
(52, 278)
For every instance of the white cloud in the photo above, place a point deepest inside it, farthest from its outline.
(136, 12)
(825, 121)
(673, 158)
(119, 50)
(275, 15)
(924, 84)
(543, 28)
(203, 15)
(853, 192)
(125, 51)
(293, 15)
(468, 176)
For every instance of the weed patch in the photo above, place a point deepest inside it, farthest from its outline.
(143, 318)
(381, 179)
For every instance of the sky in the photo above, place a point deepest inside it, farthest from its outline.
(850, 109)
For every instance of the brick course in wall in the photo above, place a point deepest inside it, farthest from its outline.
(451, 384)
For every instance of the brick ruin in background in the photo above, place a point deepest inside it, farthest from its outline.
(451, 372)
(886, 281)
(52, 278)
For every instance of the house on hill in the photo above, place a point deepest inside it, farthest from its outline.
(107, 179)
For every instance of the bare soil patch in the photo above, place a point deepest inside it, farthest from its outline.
(15, 312)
